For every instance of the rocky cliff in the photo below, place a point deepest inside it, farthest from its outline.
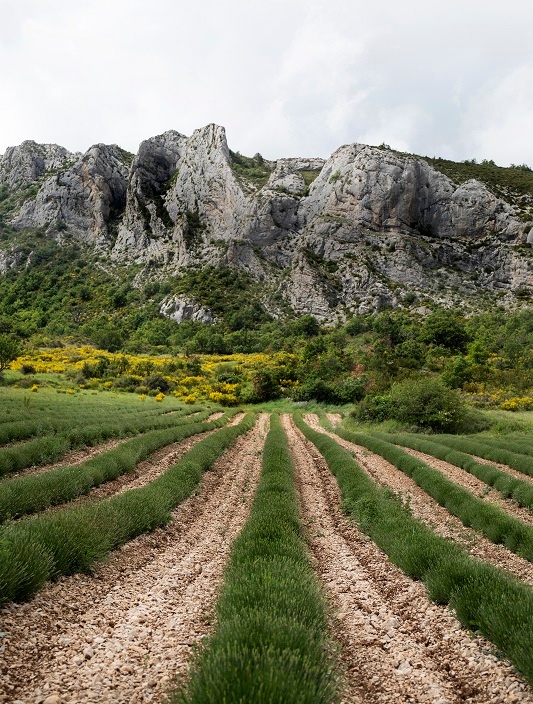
(366, 228)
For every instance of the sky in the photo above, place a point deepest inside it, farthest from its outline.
(285, 77)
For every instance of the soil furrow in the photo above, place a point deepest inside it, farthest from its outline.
(122, 634)
(503, 467)
(476, 486)
(142, 474)
(396, 644)
(71, 459)
(426, 509)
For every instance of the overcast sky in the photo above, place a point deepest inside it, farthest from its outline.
(285, 77)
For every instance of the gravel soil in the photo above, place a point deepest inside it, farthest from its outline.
(476, 486)
(71, 459)
(396, 646)
(426, 509)
(123, 633)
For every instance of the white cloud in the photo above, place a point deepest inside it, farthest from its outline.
(286, 77)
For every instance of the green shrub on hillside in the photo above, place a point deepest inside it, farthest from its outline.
(424, 403)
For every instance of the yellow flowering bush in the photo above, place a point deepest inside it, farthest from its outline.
(518, 403)
(189, 379)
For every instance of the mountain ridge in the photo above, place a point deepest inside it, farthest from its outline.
(366, 228)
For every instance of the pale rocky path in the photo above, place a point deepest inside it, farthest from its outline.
(503, 467)
(124, 633)
(396, 646)
(476, 486)
(427, 510)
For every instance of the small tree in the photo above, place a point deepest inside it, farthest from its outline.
(427, 403)
(10, 349)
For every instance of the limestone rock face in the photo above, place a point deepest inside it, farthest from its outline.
(206, 202)
(85, 199)
(355, 232)
(382, 191)
(180, 308)
(23, 165)
(146, 219)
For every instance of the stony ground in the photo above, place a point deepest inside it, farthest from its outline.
(125, 633)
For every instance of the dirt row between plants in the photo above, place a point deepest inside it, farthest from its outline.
(503, 467)
(70, 459)
(473, 484)
(74, 457)
(124, 633)
(426, 509)
(395, 644)
(142, 474)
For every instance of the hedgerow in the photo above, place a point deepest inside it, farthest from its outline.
(270, 644)
(484, 598)
(37, 549)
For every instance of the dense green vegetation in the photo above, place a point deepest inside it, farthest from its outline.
(270, 644)
(485, 598)
(489, 355)
(70, 540)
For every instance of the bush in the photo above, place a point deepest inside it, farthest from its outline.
(9, 351)
(157, 382)
(427, 403)
(422, 403)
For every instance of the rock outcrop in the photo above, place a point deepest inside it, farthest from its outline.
(24, 165)
(180, 308)
(85, 199)
(355, 232)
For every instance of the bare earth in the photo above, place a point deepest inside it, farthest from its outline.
(71, 459)
(476, 486)
(122, 634)
(426, 509)
(396, 644)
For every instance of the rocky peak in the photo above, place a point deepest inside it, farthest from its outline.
(384, 191)
(348, 233)
(23, 165)
(84, 199)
